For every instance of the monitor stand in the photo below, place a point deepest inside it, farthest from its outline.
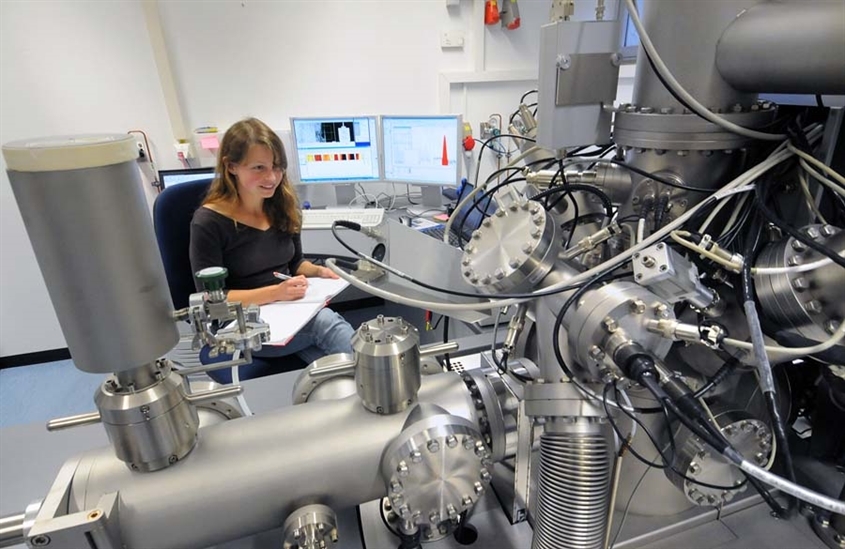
(432, 197)
(345, 194)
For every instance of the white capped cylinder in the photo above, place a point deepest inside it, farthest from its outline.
(82, 202)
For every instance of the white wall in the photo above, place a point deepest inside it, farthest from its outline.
(65, 67)
(77, 66)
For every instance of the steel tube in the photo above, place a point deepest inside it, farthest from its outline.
(786, 48)
(82, 202)
(244, 476)
(73, 421)
(11, 530)
(438, 348)
(685, 35)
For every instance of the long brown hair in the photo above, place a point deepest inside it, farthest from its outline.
(282, 208)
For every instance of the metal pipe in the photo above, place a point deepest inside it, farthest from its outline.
(223, 392)
(438, 348)
(699, 24)
(11, 530)
(785, 48)
(574, 487)
(73, 421)
(82, 202)
(246, 475)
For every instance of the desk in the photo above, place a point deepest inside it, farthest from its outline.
(421, 256)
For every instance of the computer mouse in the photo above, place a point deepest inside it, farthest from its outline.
(405, 220)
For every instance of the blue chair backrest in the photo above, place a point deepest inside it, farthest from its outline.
(172, 213)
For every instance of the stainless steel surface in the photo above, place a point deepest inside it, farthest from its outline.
(808, 302)
(151, 428)
(620, 309)
(574, 124)
(587, 79)
(750, 436)
(671, 276)
(573, 488)
(11, 530)
(436, 469)
(512, 250)
(785, 47)
(387, 372)
(73, 421)
(329, 377)
(201, 486)
(310, 527)
(686, 35)
(99, 259)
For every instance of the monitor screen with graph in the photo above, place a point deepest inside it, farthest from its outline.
(422, 150)
(338, 149)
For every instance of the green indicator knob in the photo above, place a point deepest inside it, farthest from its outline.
(212, 278)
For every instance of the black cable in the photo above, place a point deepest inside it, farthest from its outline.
(502, 367)
(819, 101)
(660, 211)
(721, 374)
(690, 412)
(601, 277)
(747, 281)
(605, 200)
(667, 463)
(356, 227)
(622, 437)
(526, 94)
(576, 216)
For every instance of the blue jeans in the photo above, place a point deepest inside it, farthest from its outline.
(326, 334)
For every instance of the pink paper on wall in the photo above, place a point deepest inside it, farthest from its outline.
(210, 143)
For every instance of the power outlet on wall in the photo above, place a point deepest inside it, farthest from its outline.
(143, 156)
(183, 150)
(452, 39)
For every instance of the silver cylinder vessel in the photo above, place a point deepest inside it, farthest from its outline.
(82, 202)
(387, 373)
(247, 475)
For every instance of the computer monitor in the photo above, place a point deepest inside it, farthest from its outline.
(342, 150)
(423, 150)
(169, 178)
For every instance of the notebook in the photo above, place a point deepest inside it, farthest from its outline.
(474, 217)
(286, 318)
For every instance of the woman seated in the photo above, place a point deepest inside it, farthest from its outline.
(250, 224)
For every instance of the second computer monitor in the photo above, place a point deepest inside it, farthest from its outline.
(422, 150)
(336, 149)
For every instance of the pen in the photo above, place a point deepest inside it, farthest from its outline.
(281, 276)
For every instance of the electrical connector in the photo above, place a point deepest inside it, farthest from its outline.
(183, 150)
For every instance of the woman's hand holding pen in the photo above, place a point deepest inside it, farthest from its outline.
(291, 288)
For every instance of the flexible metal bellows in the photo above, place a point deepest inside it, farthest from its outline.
(573, 491)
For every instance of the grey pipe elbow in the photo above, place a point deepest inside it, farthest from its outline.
(796, 47)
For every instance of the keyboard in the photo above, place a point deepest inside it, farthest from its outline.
(438, 232)
(323, 219)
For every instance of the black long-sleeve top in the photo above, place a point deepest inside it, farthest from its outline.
(250, 255)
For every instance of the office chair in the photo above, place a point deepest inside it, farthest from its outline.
(172, 213)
